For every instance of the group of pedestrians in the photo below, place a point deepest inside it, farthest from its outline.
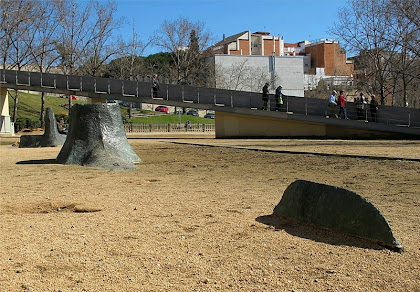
(361, 104)
(339, 101)
(278, 97)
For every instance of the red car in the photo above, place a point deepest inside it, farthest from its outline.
(162, 108)
(73, 97)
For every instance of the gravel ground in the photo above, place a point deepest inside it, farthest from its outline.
(195, 216)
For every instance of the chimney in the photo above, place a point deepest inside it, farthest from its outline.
(224, 36)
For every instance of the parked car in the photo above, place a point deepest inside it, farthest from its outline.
(162, 108)
(209, 115)
(73, 97)
(192, 112)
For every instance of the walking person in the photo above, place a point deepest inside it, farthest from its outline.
(360, 106)
(279, 98)
(155, 85)
(332, 103)
(341, 102)
(373, 107)
(265, 97)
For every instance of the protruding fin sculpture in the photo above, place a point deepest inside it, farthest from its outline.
(337, 209)
(51, 136)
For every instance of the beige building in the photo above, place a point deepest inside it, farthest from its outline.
(247, 43)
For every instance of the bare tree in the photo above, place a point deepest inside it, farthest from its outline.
(101, 47)
(363, 29)
(385, 35)
(234, 77)
(14, 22)
(183, 38)
(16, 27)
(84, 35)
(241, 76)
(405, 33)
(42, 49)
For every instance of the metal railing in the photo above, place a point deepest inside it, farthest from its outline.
(167, 128)
(129, 90)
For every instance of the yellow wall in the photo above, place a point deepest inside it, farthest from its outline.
(241, 125)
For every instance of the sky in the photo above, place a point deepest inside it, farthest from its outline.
(294, 20)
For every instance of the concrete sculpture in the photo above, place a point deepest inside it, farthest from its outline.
(337, 209)
(96, 138)
(51, 136)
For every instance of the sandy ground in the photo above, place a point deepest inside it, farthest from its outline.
(195, 216)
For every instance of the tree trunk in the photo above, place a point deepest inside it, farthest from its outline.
(42, 116)
(70, 103)
(15, 107)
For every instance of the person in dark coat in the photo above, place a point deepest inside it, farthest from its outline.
(265, 97)
(155, 85)
(373, 107)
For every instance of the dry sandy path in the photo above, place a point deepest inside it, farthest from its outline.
(196, 218)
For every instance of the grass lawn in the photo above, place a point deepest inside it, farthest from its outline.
(170, 119)
(29, 107)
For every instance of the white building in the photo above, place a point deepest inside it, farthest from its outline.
(250, 73)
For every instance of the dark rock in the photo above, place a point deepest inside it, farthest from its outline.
(51, 136)
(96, 138)
(337, 209)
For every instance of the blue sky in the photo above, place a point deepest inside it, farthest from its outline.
(295, 20)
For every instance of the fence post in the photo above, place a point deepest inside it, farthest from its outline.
(198, 94)
(167, 92)
(214, 95)
(231, 98)
(183, 96)
(409, 119)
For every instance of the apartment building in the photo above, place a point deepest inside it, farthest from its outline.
(320, 59)
(328, 54)
(247, 43)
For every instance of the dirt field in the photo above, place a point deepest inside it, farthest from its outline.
(197, 218)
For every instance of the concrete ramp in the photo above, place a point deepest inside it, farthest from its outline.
(51, 136)
(336, 209)
(96, 138)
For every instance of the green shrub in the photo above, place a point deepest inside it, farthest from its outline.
(26, 123)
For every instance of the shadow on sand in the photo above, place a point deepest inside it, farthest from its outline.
(40, 161)
(315, 233)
